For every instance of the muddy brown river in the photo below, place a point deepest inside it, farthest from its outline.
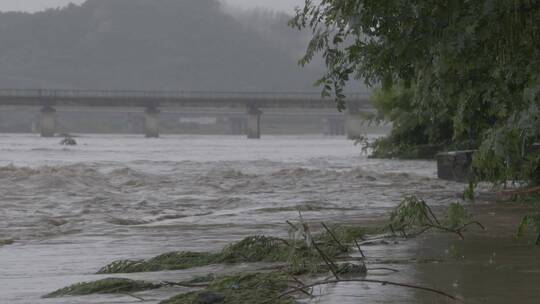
(66, 212)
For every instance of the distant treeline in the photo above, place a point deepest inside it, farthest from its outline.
(152, 44)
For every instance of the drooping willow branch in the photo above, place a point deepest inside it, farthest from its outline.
(416, 213)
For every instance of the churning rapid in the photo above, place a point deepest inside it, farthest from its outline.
(67, 211)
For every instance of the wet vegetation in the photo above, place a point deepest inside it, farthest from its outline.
(459, 75)
(449, 76)
(250, 250)
(414, 214)
(242, 288)
(105, 286)
(167, 261)
(303, 260)
(530, 222)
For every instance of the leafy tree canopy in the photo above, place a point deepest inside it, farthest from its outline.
(453, 73)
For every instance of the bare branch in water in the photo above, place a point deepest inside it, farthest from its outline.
(359, 249)
(134, 296)
(333, 236)
(180, 284)
(432, 290)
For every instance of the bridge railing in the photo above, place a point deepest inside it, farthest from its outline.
(133, 94)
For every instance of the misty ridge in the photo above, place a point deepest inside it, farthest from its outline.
(153, 45)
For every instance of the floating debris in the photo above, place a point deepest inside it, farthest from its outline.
(68, 141)
(6, 242)
(352, 269)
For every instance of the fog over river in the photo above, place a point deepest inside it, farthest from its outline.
(71, 210)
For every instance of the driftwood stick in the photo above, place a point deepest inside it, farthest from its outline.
(458, 232)
(296, 280)
(293, 226)
(392, 229)
(424, 230)
(472, 223)
(432, 214)
(384, 268)
(521, 191)
(333, 236)
(333, 268)
(382, 237)
(180, 284)
(134, 296)
(360, 249)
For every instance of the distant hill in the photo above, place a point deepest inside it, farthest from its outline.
(151, 44)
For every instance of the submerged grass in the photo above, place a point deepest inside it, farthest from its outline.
(300, 255)
(167, 261)
(250, 249)
(240, 289)
(105, 286)
(304, 253)
(297, 253)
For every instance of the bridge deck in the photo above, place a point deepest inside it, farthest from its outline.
(93, 98)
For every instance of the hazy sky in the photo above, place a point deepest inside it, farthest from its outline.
(33, 5)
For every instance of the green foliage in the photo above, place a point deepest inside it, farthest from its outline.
(415, 215)
(411, 212)
(456, 216)
(256, 249)
(167, 261)
(311, 249)
(508, 153)
(455, 74)
(530, 221)
(469, 194)
(300, 256)
(298, 253)
(111, 285)
(413, 135)
(240, 289)
(262, 287)
(250, 249)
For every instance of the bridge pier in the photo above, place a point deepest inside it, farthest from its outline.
(151, 122)
(47, 122)
(333, 126)
(354, 125)
(253, 125)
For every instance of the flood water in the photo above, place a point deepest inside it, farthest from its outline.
(70, 210)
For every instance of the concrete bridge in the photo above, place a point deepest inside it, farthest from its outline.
(153, 102)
